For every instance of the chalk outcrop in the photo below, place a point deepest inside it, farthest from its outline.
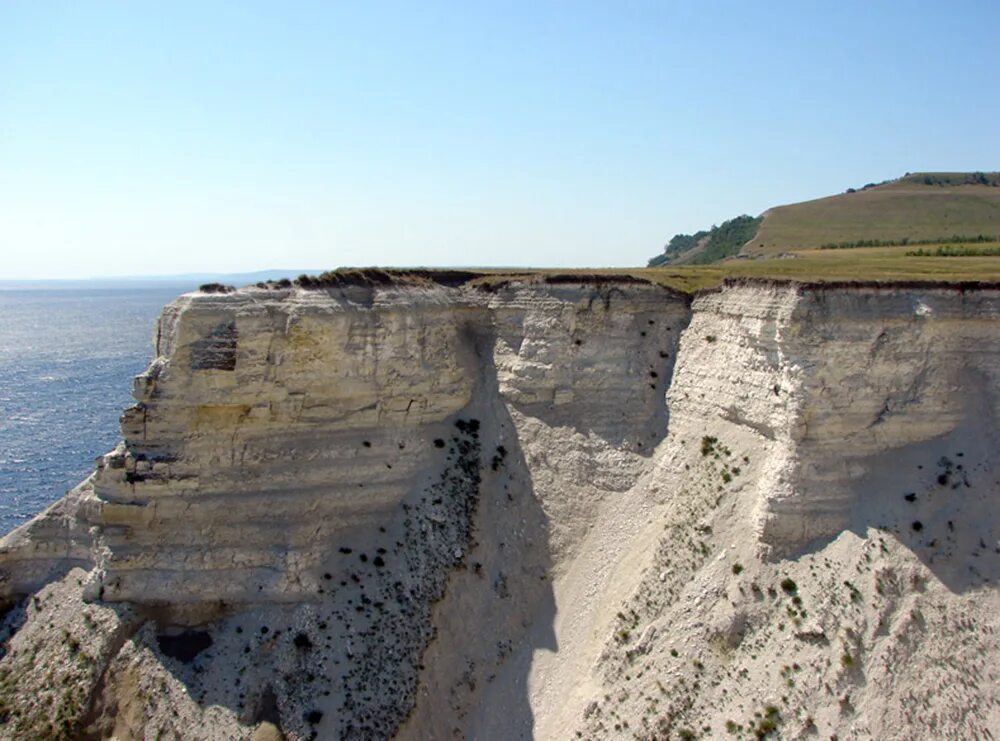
(531, 508)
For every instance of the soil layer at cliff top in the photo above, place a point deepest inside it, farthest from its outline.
(862, 265)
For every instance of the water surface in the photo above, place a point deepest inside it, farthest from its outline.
(67, 357)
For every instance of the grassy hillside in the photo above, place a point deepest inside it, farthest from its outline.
(917, 207)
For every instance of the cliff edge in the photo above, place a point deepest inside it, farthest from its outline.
(531, 508)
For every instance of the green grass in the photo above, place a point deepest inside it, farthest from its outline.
(874, 264)
(881, 264)
(877, 264)
(903, 209)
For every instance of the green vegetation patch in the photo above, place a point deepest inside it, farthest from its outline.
(945, 179)
(952, 250)
(677, 246)
(955, 238)
(704, 248)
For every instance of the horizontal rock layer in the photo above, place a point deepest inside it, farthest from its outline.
(832, 381)
(272, 421)
(481, 494)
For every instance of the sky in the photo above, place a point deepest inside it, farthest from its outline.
(158, 138)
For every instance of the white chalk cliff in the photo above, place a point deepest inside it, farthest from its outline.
(532, 508)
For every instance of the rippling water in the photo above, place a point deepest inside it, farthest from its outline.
(67, 358)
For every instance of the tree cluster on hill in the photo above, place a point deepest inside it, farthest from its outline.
(869, 186)
(960, 178)
(939, 178)
(677, 246)
(724, 240)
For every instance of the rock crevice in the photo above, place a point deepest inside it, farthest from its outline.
(393, 509)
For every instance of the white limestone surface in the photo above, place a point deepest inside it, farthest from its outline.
(546, 509)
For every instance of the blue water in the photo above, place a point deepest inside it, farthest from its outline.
(67, 358)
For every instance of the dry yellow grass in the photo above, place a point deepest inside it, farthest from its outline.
(881, 264)
(898, 210)
(878, 264)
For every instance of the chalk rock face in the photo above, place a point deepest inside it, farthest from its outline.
(841, 387)
(883, 374)
(583, 376)
(267, 424)
(530, 508)
(58, 539)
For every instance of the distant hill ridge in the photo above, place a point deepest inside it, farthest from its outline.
(917, 208)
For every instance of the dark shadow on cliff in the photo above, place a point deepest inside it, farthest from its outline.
(526, 603)
(938, 499)
(627, 410)
(500, 609)
(339, 664)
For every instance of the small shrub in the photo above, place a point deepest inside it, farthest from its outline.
(215, 288)
(737, 569)
(789, 586)
(768, 724)
(710, 338)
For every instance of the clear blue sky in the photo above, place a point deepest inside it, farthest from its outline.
(172, 137)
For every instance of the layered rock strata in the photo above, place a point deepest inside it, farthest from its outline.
(429, 511)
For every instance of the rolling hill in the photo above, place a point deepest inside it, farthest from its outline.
(926, 208)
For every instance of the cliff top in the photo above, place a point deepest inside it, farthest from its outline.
(882, 266)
